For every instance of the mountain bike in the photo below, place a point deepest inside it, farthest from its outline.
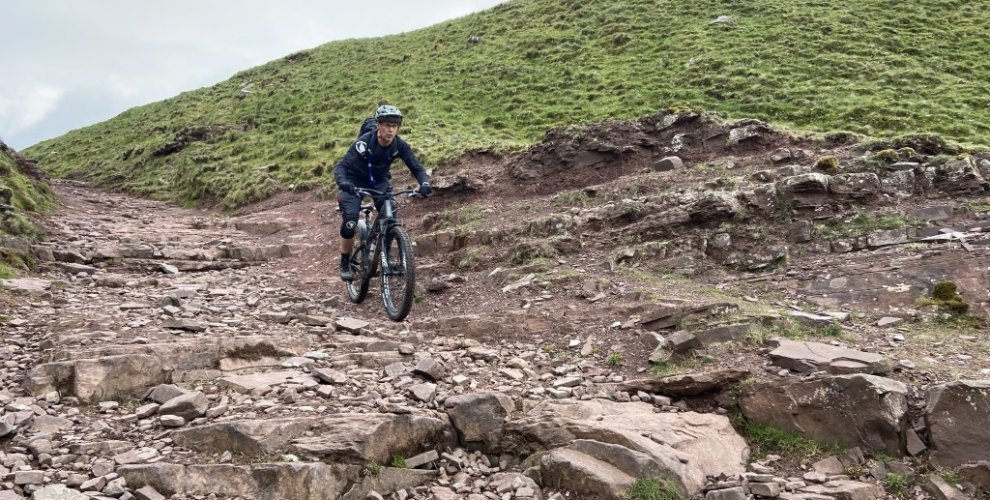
(385, 249)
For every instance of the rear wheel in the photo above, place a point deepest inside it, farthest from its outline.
(357, 288)
(398, 274)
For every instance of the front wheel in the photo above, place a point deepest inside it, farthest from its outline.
(398, 274)
(357, 288)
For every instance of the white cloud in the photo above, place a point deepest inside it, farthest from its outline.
(126, 86)
(26, 109)
(110, 55)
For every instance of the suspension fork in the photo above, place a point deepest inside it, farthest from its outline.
(384, 243)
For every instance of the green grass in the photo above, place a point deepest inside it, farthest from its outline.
(765, 440)
(29, 196)
(614, 359)
(530, 252)
(794, 330)
(952, 477)
(373, 468)
(677, 365)
(978, 204)
(398, 461)
(463, 220)
(470, 258)
(577, 198)
(872, 67)
(24, 192)
(862, 223)
(653, 489)
(895, 484)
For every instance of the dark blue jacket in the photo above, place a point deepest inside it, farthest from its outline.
(367, 164)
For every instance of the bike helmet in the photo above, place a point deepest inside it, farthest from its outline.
(388, 113)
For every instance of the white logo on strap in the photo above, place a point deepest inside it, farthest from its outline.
(361, 147)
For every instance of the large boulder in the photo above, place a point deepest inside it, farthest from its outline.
(100, 379)
(388, 479)
(957, 414)
(121, 371)
(900, 183)
(851, 410)
(361, 438)
(712, 207)
(977, 474)
(479, 417)
(680, 446)
(959, 176)
(189, 406)
(298, 480)
(58, 492)
(857, 186)
(245, 437)
(30, 286)
(594, 468)
(749, 130)
(809, 189)
(346, 438)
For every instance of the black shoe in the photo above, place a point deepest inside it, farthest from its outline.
(345, 268)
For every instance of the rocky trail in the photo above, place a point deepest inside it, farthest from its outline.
(616, 304)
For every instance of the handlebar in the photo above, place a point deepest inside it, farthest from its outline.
(411, 193)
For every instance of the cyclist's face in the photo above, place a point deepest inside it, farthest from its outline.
(387, 131)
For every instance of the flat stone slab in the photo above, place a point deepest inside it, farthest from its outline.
(71, 267)
(801, 356)
(183, 324)
(352, 325)
(668, 315)
(250, 382)
(889, 320)
(273, 480)
(811, 319)
(58, 492)
(897, 285)
(845, 489)
(26, 285)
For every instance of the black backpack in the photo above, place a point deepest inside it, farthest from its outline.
(368, 125)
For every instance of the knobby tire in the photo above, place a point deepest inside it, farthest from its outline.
(398, 276)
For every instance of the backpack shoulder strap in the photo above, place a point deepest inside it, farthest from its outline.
(364, 144)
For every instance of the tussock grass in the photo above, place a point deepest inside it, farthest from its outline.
(23, 196)
(871, 67)
(653, 489)
(863, 223)
(765, 440)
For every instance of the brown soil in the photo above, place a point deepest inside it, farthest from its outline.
(506, 194)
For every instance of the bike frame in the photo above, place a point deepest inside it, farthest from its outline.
(371, 240)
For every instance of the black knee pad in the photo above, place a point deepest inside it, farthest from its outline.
(347, 229)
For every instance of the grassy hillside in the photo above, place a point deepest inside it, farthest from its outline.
(21, 193)
(876, 67)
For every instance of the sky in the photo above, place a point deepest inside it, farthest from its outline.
(70, 63)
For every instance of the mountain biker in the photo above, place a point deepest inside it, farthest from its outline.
(367, 165)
